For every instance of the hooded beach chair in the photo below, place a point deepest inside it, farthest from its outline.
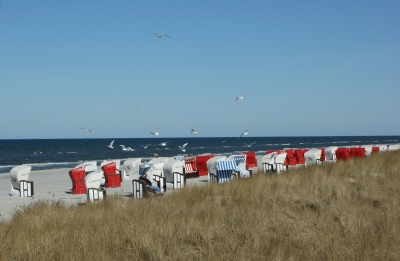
(201, 164)
(112, 178)
(212, 166)
(240, 161)
(225, 169)
(313, 157)
(268, 160)
(394, 147)
(173, 173)
(330, 154)
(77, 176)
(20, 185)
(279, 162)
(190, 169)
(92, 183)
(130, 169)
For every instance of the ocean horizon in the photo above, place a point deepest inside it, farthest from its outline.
(67, 153)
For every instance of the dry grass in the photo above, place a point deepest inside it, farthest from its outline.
(343, 211)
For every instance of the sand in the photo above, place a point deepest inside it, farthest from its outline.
(56, 185)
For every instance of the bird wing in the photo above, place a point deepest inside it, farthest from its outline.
(167, 36)
(112, 143)
(123, 146)
(184, 145)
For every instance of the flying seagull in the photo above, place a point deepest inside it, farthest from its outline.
(194, 131)
(183, 147)
(163, 143)
(239, 97)
(249, 145)
(111, 145)
(89, 130)
(155, 133)
(244, 133)
(126, 149)
(160, 35)
(138, 106)
(145, 147)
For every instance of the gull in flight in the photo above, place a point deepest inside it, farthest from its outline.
(163, 143)
(145, 147)
(126, 149)
(138, 106)
(194, 131)
(111, 145)
(223, 141)
(240, 97)
(155, 133)
(244, 133)
(160, 35)
(249, 145)
(89, 130)
(183, 147)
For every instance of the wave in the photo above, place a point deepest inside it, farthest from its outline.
(285, 144)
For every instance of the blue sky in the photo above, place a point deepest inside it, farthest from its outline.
(307, 68)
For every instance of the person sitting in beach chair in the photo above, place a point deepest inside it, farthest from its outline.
(148, 185)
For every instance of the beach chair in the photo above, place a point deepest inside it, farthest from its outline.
(212, 165)
(20, 185)
(357, 152)
(130, 169)
(225, 170)
(268, 160)
(382, 147)
(313, 157)
(201, 164)
(179, 157)
(251, 162)
(394, 147)
(77, 176)
(330, 154)
(190, 169)
(290, 160)
(153, 167)
(173, 172)
(279, 162)
(342, 154)
(92, 182)
(240, 161)
(299, 156)
(117, 168)
(112, 178)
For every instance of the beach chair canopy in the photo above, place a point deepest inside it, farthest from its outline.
(240, 161)
(201, 164)
(225, 169)
(190, 165)
(179, 158)
(394, 147)
(280, 158)
(153, 167)
(117, 164)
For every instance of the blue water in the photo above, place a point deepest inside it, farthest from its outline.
(67, 153)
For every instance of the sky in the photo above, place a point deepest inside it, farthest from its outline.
(306, 68)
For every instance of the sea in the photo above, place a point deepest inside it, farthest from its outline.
(67, 153)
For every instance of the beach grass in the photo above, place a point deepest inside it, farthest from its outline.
(340, 211)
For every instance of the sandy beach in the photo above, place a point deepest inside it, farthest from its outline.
(56, 185)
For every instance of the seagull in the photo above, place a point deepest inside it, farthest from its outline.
(240, 97)
(145, 147)
(155, 133)
(249, 145)
(163, 143)
(223, 141)
(111, 145)
(194, 131)
(89, 130)
(126, 149)
(244, 133)
(160, 35)
(183, 147)
(138, 106)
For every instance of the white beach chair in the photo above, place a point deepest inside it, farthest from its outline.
(394, 147)
(279, 161)
(313, 157)
(130, 169)
(330, 154)
(92, 183)
(173, 173)
(20, 186)
(268, 162)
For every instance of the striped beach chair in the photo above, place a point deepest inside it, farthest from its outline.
(190, 169)
(225, 168)
(179, 158)
(143, 170)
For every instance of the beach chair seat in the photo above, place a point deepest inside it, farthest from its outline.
(95, 194)
(92, 183)
(139, 191)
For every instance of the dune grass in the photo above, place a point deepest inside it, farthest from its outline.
(343, 211)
